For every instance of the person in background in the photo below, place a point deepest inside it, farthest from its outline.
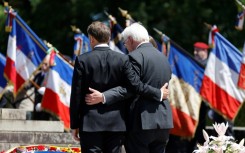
(201, 55)
(41, 80)
(100, 127)
(148, 121)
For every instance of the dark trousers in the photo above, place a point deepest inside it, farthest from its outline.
(147, 141)
(101, 142)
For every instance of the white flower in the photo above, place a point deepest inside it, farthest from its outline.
(220, 144)
(206, 137)
(220, 128)
(241, 142)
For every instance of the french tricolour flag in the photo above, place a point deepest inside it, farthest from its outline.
(56, 98)
(219, 86)
(184, 89)
(25, 53)
(82, 45)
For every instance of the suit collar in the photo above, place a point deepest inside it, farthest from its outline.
(101, 48)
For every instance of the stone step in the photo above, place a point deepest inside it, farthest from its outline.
(10, 140)
(31, 126)
(12, 114)
(36, 137)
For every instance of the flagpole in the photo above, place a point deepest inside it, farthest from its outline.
(165, 42)
(240, 3)
(209, 26)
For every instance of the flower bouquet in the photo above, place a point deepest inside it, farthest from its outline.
(220, 144)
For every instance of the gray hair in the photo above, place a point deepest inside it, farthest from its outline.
(137, 32)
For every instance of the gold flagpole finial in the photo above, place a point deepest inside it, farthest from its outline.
(125, 14)
(6, 4)
(8, 28)
(49, 45)
(75, 29)
(209, 26)
(110, 17)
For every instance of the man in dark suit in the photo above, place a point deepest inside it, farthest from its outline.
(149, 121)
(100, 127)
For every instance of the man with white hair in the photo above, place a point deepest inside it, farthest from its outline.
(149, 121)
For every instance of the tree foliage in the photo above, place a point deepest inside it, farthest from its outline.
(182, 20)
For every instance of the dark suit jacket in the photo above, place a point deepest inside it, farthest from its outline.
(153, 69)
(102, 69)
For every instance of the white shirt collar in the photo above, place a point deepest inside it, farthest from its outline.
(101, 45)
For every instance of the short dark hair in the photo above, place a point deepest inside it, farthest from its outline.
(99, 31)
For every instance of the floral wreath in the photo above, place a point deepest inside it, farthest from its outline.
(43, 148)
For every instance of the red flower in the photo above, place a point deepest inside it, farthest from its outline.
(51, 148)
(41, 148)
(30, 148)
(76, 149)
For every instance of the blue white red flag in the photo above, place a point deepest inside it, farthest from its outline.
(3, 81)
(219, 87)
(184, 89)
(82, 45)
(25, 53)
(240, 20)
(56, 98)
